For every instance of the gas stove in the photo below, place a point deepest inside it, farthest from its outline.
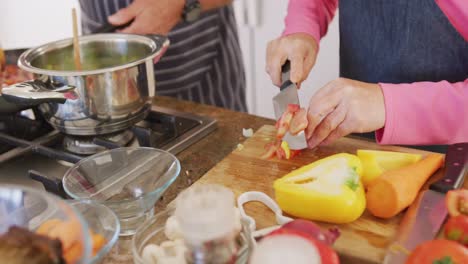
(32, 149)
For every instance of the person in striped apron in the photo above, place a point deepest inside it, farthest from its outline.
(203, 63)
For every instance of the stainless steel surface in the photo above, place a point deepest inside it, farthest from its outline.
(86, 146)
(421, 222)
(114, 90)
(38, 91)
(288, 95)
(425, 216)
(15, 171)
(207, 125)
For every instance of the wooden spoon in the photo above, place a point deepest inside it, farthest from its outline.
(76, 45)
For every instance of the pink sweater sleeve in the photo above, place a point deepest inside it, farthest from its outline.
(425, 113)
(457, 13)
(310, 16)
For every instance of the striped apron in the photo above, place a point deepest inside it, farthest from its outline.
(400, 41)
(203, 63)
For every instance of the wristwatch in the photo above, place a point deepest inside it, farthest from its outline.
(192, 10)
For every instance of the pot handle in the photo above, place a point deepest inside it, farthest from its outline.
(36, 92)
(162, 42)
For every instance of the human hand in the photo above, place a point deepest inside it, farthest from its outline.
(344, 106)
(150, 16)
(299, 48)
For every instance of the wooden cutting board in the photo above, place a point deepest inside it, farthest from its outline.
(362, 241)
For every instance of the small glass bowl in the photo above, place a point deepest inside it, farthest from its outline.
(28, 208)
(152, 232)
(127, 180)
(101, 220)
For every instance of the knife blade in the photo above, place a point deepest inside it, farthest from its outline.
(426, 215)
(288, 95)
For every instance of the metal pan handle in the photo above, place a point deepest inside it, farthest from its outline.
(36, 92)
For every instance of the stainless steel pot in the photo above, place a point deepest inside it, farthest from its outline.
(112, 92)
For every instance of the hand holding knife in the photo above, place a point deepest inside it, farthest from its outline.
(288, 95)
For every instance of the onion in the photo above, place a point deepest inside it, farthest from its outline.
(310, 228)
(285, 248)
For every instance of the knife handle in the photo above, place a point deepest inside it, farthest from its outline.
(285, 75)
(456, 163)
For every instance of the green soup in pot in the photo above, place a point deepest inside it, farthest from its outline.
(94, 55)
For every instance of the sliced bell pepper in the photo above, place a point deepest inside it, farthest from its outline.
(282, 125)
(457, 202)
(456, 227)
(286, 150)
(376, 162)
(326, 190)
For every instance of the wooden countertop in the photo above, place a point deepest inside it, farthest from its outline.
(198, 158)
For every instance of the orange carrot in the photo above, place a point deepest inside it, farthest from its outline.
(69, 234)
(98, 242)
(73, 253)
(47, 226)
(396, 189)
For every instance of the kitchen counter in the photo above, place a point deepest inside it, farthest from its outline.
(200, 157)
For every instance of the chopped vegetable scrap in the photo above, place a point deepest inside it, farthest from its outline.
(294, 120)
(68, 233)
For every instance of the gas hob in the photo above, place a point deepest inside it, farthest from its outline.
(29, 147)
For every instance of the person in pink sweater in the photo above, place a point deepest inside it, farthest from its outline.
(403, 68)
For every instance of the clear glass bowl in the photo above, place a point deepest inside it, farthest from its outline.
(101, 220)
(152, 232)
(25, 207)
(127, 180)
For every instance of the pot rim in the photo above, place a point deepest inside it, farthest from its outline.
(157, 43)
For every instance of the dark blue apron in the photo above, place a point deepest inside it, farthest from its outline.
(400, 41)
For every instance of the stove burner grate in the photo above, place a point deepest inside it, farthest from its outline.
(163, 128)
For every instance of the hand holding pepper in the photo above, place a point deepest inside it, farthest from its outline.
(344, 106)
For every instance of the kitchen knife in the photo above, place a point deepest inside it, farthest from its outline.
(288, 95)
(426, 215)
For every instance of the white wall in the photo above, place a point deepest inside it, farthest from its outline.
(254, 38)
(327, 65)
(29, 23)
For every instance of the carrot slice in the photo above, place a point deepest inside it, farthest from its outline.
(47, 226)
(396, 189)
(98, 242)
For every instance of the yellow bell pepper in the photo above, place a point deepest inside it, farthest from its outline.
(326, 190)
(376, 162)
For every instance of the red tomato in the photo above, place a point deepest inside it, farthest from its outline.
(457, 202)
(456, 229)
(439, 251)
(294, 153)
